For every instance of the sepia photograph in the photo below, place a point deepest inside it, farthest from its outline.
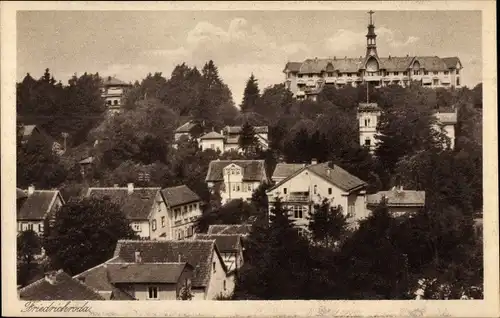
(234, 155)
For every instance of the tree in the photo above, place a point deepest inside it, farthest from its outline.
(248, 141)
(186, 293)
(251, 95)
(371, 266)
(84, 233)
(327, 224)
(28, 245)
(234, 212)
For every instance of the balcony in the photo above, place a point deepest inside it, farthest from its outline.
(330, 80)
(373, 78)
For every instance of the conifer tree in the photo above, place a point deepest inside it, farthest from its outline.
(251, 95)
(248, 141)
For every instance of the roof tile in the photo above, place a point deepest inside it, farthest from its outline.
(179, 195)
(241, 229)
(398, 198)
(36, 205)
(167, 273)
(253, 170)
(225, 242)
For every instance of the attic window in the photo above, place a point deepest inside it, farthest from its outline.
(284, 190)
(329, 190)
(213, 266)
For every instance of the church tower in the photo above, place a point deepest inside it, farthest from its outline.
(371, 38)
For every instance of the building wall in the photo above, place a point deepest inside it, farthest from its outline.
(183, 219)
(229, 147)
(159, 211)
(215, 144)
(141, 228)
(38, 225)
(307, 180)
(217, 279)
(165, 291)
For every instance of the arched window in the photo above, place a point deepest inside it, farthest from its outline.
(372, 65)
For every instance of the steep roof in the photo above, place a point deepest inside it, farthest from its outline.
(166, 273)
(212, 135)
(179, 195)
(293, 66)
(113, 81)
(36, 205)
(240, 229)
(64, 288)
(396, 63)
(331, 173)
(198, 253)
(135, 206)
(225, 242)
(451, 62)
(398, 198)
(431, 63)
(284, 170)
(186, 128)
(253, 170)
(97, 276)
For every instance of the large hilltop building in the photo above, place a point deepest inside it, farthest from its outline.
(306, 79)
(112, 91)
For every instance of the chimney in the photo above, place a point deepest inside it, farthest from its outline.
(31, 190)
(328, 171)
(130, 187)
(314, 161)
(51, 277)
(138, 258)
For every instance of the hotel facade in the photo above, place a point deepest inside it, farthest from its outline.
(306, 79)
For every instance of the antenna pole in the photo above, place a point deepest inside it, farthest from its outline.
(367, 94)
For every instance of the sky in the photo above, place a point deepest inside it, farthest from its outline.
(131, 44)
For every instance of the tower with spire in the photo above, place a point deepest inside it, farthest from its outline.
(371, 38)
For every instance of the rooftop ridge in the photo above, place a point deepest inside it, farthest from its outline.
(97, 266)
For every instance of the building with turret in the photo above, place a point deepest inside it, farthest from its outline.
(306, 79)
(113, 91)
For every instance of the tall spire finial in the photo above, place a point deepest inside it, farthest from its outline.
(371, 13)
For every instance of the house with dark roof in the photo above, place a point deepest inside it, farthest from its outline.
(229, 136)
(147, 270)
(398, 200)
(145, 208)
(300, 191)
(183, 209)
(230, 247)
(33, 206)
(306, 79)
(446, 122)
(113, 90)
(236, 179)
(58, 286)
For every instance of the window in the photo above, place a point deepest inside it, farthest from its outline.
(330, 74)
(212, 146)
(152, 292)
(249, 187)
(162, 221)
(368, 142)
(435, 82)
(115, 102)
(136, 227)
(329, 190)
(40, 227)
(213, 267)
(288, 75)
(300, 75)
(349, 74)
(178, 235)
(153, 225)
(426, 73)
(351, 209)
(298, 211)
(458, 81)
(315, 189)
(446, 72)
(340, 74)
(416, 73)
(435, 73)
(181, 234)
(405, 73)
(309, 75)
(300, 231)
(108, 102)
(238, 187)
(396, 73)
(458, 71)
(284, 190)
(224, 284)
(30, 227)
(159, 206)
